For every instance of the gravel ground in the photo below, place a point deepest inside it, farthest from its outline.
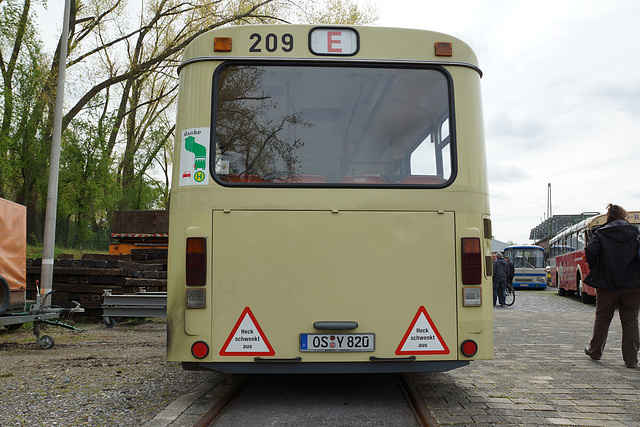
(96, 376)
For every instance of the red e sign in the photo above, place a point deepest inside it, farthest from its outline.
(334, 41)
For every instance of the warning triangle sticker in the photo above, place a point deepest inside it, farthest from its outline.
(422, 337)
(247, 338)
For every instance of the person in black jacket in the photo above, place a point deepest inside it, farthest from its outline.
(500, 273)
(612, 258)
(512, 271)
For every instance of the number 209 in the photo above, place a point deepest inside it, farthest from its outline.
(271, 42)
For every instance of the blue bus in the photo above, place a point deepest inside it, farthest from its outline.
(528, 262)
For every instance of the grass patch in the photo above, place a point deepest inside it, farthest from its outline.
(35, 251)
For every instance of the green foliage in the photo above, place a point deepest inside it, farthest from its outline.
(23, 152)
(87, 185)
(118, 133)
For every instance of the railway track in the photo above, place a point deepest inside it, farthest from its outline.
(418, 407)
(248, 397)
(210, 416)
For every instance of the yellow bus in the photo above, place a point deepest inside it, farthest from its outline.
(329, 205)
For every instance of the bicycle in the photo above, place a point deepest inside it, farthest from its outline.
(510, 295)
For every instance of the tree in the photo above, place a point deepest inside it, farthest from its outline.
(147, 82)
(23, 151)
(88, 177)
(118, 127)
(336, 12)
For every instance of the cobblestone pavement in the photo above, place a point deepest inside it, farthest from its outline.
(539, 374)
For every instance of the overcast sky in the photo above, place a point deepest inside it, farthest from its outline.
(561, 94)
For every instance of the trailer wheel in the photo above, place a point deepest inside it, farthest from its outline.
(46, 342)
(109, 322)
(5, 295)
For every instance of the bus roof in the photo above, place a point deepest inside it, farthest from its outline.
(524, 247)
(593, 222)
(633, 217)
(293, 42)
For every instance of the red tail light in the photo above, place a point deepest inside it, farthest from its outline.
(469, 348)
(200, 349)
(471, 261)
(196, 262)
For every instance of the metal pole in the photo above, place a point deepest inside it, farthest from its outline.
(48, 244)
(549, 214)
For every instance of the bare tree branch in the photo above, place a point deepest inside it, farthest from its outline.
(152, 62)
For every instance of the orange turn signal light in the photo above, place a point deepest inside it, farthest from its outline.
(444, 48)
(196, 245)
(470, 245)
(222, 44)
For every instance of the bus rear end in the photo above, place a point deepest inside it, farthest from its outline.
(330, 209)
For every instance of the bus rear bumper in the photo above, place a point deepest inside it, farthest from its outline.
(325, 368)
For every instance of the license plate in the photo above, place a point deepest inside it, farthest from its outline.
(337, 342)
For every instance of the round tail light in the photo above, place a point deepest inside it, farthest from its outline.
(469, 348)
(200, 349)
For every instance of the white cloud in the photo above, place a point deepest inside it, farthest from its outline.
(561, 94)
(505, 172)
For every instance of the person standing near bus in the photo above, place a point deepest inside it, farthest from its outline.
(500, 274)
(512, 271)
(612, 258)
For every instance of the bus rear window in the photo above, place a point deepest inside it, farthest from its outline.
(319, 125)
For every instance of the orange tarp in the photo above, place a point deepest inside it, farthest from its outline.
(13, 244)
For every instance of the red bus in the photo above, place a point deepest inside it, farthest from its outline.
(567, 258)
